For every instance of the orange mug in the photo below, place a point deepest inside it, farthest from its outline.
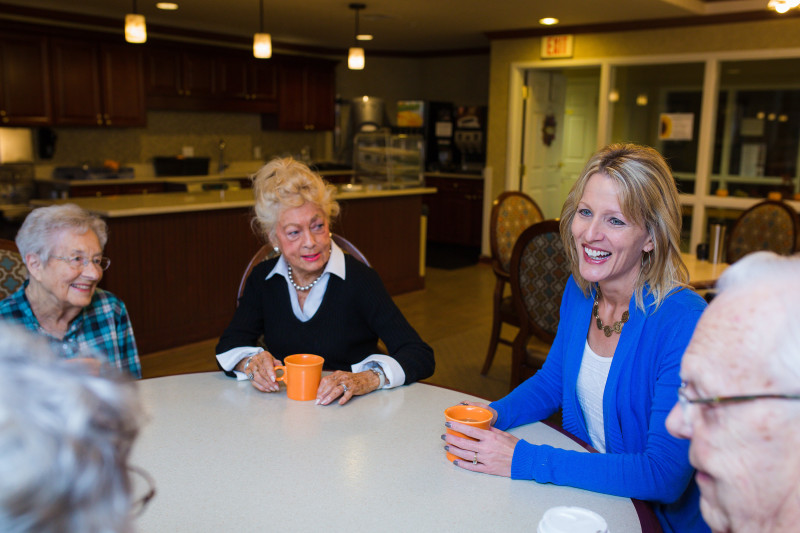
(471, 415)
(301, 373)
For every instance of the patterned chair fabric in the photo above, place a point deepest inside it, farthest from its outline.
(539, 273)
(12, 270)
(515, 212)
(768, 225)
(543, 273)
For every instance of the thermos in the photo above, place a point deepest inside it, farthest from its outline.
(717, 242)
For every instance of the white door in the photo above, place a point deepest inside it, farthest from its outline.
(580, 130)
(541, 162)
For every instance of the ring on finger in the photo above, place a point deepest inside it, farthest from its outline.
(475, 459)
(250, 376)
(344, 387)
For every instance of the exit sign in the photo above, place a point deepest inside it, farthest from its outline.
(557, 46)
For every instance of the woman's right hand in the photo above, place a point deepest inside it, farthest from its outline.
(262, 365)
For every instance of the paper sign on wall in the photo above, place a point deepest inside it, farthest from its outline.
(676, 126)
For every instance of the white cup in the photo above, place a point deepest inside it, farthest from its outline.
(571, 520)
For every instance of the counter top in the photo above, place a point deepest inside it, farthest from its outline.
(160, 203)
(454, 175)
(169, 179)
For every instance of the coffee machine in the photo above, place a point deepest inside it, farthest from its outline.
(470, 137)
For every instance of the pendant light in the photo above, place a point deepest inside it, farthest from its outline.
(262, 42)
(355, 56)
(135, 27)
(782, 6)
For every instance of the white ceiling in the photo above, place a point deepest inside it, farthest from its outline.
(398, 25)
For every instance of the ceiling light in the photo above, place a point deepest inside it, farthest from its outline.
(641, 99)
(782, 6)
(355, 56)
(363, 37)
(262, 42)
(167, 6)
(135, 27)
(548, 21)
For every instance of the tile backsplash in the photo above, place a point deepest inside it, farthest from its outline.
(168, 132)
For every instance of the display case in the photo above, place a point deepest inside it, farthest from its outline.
(394, 161)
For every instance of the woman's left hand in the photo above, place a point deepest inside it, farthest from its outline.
(345, 385)
(493, 450)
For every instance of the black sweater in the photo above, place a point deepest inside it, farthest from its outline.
(353, 315)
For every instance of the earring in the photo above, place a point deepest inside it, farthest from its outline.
(277, 250)
(649, 261)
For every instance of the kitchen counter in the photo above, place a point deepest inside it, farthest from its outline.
(128, 205)
(455, 175)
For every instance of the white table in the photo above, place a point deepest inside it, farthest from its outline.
(226, 457)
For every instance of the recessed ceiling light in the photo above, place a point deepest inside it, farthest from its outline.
(548, 21)
(167, 6)
(364, 37)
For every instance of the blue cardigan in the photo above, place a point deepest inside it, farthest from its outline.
(642, 459)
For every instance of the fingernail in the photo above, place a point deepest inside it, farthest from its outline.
(317, 402)
(447, 425)
(447, 448)
(444, 437)
(463, 403)
(455, 463)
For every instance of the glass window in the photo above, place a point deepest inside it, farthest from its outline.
(659, 106)
(758, 130)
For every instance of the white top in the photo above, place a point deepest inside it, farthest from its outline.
(226, 457)
(395, 375)
(592, 379)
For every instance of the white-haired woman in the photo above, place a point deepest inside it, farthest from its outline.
(62, 247)
(315, 299)
(65, 441)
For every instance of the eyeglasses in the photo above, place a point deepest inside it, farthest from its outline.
(714, 401)
(78, 262)
(138, 506)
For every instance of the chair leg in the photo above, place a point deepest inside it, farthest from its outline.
(496, 325)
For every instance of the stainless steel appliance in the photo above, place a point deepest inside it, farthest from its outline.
(470, 137)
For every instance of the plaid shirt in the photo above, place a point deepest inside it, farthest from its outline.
(102, 328)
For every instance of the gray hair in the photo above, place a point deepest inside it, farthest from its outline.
(65, 438)
(40, 230)
(780, 276)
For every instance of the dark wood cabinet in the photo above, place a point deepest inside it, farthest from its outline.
(306, 96)
(97, 84)
(455, 212)
(175, 72)
(25, 98)
(247, 78)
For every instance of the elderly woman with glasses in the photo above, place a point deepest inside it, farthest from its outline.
(626, 318)
(62, 247)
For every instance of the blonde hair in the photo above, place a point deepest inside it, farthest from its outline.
(283, 184)
(649, 198)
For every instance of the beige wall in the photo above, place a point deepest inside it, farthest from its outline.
(784, 33)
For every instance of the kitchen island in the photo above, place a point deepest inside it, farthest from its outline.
(177, 258)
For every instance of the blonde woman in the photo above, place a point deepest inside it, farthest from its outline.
(626, 318)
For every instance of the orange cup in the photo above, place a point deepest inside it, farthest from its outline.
(470, 415)
(301, 373)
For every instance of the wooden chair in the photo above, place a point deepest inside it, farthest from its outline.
(268, 252)
(512, 212)
(539, 272)
(768, 225)
(12, 270)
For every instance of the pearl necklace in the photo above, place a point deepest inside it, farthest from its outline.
(301, 287)
(607, 330)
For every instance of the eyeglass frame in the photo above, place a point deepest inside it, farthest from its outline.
(139, 505)
(69, 261)
(684, 401)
